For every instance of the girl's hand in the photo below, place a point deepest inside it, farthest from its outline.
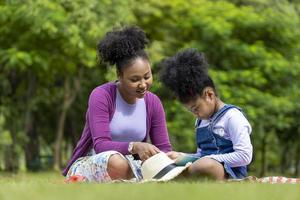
(144, 150)
(174, 154)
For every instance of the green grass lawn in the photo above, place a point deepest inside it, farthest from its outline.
(51, 186)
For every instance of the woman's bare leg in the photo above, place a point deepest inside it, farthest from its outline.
(118, 168)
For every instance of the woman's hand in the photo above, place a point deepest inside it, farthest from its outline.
(144, 150)
(174, 154)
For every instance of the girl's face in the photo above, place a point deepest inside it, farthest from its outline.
(203, 106)
(135, 80)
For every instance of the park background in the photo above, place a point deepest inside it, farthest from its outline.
(49, 66)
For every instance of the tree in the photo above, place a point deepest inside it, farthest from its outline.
(253, 55)
(47, 44)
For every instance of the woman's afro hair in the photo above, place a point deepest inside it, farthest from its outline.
(122, 43)
(186, 74)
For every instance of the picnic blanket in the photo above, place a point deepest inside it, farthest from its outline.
(269, 179)
(272, 179)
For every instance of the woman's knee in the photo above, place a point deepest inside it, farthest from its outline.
(118, 167)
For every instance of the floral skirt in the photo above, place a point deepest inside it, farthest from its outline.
(94, 168)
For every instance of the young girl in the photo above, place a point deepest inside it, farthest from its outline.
(121, 115)
(222, 131)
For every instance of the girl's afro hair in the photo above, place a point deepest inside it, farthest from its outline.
(186, 74)
(122, 43)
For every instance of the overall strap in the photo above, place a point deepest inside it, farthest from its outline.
(218, 115)
(197, 122)
(215, 118)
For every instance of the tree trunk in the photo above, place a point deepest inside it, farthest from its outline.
(71, 137)
(69, 97)
(11, 156)
(59, 137)
(11, 161)
(32, 146)
(32, 149)
(297, 161)
(283, 160)
(263, 151)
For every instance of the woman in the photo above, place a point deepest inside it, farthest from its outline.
(121, 115)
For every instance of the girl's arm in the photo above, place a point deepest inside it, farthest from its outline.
(239, 129)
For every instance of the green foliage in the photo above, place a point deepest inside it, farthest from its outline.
(253, 55)
(252, 46)
(43, 45)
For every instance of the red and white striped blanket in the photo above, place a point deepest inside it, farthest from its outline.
(272, 180)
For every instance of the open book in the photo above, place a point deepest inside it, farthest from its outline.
(182, 160)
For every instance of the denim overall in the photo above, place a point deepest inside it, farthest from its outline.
(211, 143)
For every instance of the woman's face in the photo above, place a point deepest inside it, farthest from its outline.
(203, 106)
(135, 80)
